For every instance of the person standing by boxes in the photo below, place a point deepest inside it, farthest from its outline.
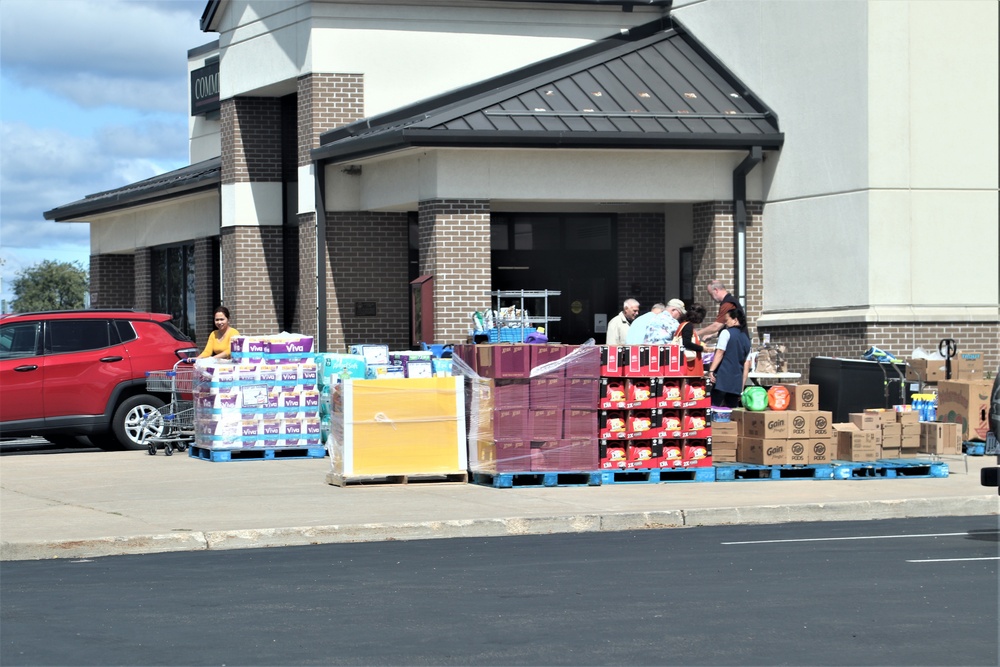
(618, 326)
(731, 363)
(637, 330)
(219, 343)
(720, 295)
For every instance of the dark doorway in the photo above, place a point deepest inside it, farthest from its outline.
(572, 253)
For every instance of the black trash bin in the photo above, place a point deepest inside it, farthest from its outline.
(851, 385)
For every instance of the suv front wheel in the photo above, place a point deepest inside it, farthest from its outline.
(134, 420)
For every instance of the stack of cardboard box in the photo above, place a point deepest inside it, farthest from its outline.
(964, 366)
(799, 435)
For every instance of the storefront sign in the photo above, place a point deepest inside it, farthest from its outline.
(205, 90)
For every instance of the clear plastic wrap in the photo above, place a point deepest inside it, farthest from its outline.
(530, 408)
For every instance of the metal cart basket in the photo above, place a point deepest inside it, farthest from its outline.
(171, 426)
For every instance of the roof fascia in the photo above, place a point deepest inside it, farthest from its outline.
(71, 212)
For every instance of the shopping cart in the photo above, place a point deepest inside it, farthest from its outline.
(171, 426)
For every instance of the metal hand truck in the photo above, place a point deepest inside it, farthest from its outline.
(171, 426)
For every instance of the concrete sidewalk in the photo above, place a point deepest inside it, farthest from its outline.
(109, 503)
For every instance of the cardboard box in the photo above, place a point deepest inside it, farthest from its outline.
(798, 424)
(503, 360)
(798, 451)
(612, 361)
(820, 424)
(611, 455)
(884, 415)
(890, 452)
(724, 429)
(643, 454)
(612, 393)
(854, 444)
(929, 370)
(579, 423)
(768, 424)
(822, 450)
(580, 392)
(940, 438)
(508, 394)
(911, 442)
(910, 429)
(540, 355)
(722, 443)
(582, 361)
(965, 402)
(865, 421)
(968, 366)
(612, 425)
(765, 452)
(892, 435)
(673, 454)
(546, 391)
(803, 396)
(907, 416)
(564, 455)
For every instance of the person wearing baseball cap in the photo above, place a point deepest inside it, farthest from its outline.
(663, 326)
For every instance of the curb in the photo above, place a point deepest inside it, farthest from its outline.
(861, 510)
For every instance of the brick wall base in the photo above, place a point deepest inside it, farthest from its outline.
(803, 342)
(112, 281)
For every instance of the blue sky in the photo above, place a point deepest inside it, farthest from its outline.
(93, 95)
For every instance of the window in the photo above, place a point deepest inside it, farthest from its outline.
(19, 340)
(77, 335)
(173, 287)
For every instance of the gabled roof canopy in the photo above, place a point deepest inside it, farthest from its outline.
(656, 87)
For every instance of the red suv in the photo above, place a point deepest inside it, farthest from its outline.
(70, 373)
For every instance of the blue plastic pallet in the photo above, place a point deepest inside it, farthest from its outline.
(269, 454)
(740, 472)
(508, 480)
(657, 476)
(974, 448)
(888, 468)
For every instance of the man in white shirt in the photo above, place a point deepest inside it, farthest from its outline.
(618, 326)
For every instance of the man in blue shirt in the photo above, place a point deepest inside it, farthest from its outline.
(637, 330)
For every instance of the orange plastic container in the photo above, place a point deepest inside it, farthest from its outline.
(778, 397)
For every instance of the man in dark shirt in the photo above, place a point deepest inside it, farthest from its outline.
(720, 295)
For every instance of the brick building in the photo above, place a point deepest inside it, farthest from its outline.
(603, 149)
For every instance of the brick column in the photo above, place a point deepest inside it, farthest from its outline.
(251, 234)
(715, 253)
(112, 281)
(455, 249)
(325, 101)
(361, 274)
(641, 269)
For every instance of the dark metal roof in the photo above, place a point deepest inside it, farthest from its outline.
(187, 180)
(656, 87)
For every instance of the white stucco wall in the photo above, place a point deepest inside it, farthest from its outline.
(538, 176)
(176, 221)
(406, 51)
(889, 167)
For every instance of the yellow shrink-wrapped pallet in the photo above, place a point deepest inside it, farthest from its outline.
(398, 426)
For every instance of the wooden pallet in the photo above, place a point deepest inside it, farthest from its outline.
(337, 479)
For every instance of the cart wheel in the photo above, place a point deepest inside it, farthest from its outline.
(182, 447)
(151, 448)
(168, 450)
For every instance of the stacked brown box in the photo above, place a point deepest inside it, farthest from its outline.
(724, 437)
(940, 438)
(855, 444)
(965, 402)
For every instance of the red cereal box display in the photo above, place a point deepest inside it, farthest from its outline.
(672, 455)
(612, 455)
(612, 424)
(612, 393)
(642, 454)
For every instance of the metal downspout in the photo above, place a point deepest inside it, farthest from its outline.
(755, 156)
(320, 180)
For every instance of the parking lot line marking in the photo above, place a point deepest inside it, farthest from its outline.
(951, 560)
(860, 537)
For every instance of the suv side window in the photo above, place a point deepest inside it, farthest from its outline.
(126, 332)
(19, 340)
(76, 335)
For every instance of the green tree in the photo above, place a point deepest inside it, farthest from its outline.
(50, 285)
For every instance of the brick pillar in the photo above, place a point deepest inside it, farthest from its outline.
(143, 275)
(360, 274)
(455, 249)
(715, 253)
(325, 102)
(641, 269)
(251, 234)
(112, 281)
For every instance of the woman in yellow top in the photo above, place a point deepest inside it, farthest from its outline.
(218, 345)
